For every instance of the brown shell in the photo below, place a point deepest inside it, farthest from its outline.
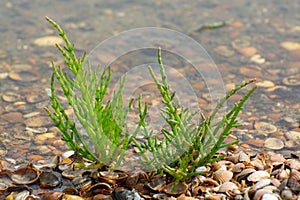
(98, 188)
(82, 183)
(25, 175)
(176, 189)
(49, 179)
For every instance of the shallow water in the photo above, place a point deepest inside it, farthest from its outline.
(261, 42)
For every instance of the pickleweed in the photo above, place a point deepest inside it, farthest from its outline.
(98, 130)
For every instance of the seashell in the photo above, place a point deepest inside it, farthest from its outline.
(52, 195)
(24, 175)
(274, 143)
(71, 190)
(238, 167)
(132, 180)
(3, 187)
(286, 194)
(270, 197)
(82, 183)
(243, 174)
(72, 173)
(71, 197)
(258, 175)
(260, 193)
(102, 197)
(257, 164)
(209, 182)
(18, 195)
(176, 189)
(294, 164)
(116, 175)
(262, 183)
(122, 193)
(283, 174)
(157, 183)
(243, 157)
(24, 76)
(222, 175)
(233, 158)
(227, 186)
(49, 179)
(11, 97)
(265, 127)
(293, 80)
(35, 98)
(98, 188)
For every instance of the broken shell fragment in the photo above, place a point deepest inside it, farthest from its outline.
(258, 175)
(98, 188)
(176, 189)
(24, 175)
(49, 179)
(293, 80)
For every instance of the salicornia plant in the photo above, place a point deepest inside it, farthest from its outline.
(186, 145)
(99, 132)
(103, 122)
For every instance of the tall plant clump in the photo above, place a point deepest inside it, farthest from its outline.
(103, 122)
(185, 146)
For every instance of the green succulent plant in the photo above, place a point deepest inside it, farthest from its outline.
(186, 145)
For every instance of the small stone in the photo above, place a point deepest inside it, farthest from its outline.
(274, 143)
(290, 46)
(48, 41)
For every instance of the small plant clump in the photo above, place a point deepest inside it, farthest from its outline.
(186, 145)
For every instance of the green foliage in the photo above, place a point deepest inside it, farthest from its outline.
(186, 145)
(102, 121)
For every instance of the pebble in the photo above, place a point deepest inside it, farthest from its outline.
(274, 143)
(290, 45)
(48, 41)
